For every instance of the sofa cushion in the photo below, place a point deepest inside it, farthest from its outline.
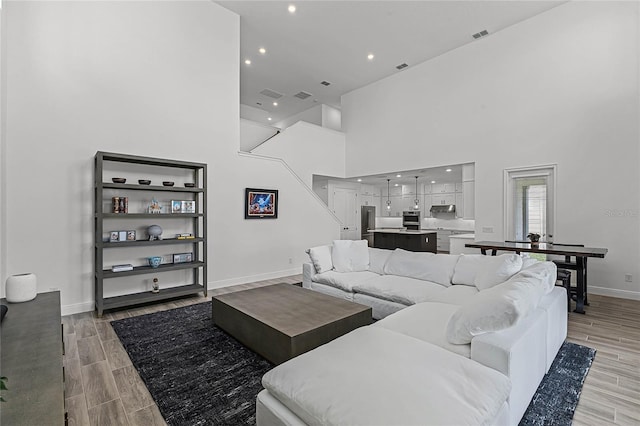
(497, 269)
(344, 280)
(321, 258)
(467, 268)
(495, 309)
(350, 256)
(356, 378)
(426, 321)
(547, 272)
(399, 289)
(455, 295)
(377, 259)
(437, 268)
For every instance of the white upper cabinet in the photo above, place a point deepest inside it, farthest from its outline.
(443, 199)
(426, 189)
(439, 188)
(469, 200)
(458, 186)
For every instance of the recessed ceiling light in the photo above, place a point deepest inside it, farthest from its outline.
(433, 181)
(359, 180)
(448, 170)
(262, 50)
(291, 9)
(247, 61)
(269, 118)
(370, 56)
(395, 184)
(276, 104)
(398, 176)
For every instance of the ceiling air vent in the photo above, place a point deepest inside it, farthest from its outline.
(402, 66)
(325, 83)
(302, 95)
(271, 93)
(481, 34)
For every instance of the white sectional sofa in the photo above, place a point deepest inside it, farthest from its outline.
(461, 340)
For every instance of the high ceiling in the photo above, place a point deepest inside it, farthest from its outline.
(330, 41)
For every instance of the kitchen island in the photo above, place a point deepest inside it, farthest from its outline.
(393, 238)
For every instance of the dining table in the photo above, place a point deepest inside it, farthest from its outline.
(581, 255)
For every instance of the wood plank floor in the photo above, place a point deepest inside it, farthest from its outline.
(103, 388)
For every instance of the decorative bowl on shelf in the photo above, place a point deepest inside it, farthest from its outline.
(144, 181)
(154, 261)
(118, 180)
(189, 185)
(167, 183)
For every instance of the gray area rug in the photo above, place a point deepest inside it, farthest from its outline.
(197, 374)
(557, 396)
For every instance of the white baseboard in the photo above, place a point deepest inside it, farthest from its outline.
(612, 292)
(77, 308)
(253, 278)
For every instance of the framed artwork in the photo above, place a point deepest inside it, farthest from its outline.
(260, 203)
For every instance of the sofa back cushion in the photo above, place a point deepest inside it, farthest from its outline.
(467, 268)
(547, 272)
(350, 256)
(437, 268)
(321, 258)
(377, 259)
(495, 309)
(497, 269)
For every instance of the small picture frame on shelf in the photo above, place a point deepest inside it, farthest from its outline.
(154, 207)
(114, 236)
(122, 235)
(131, 235)
(182, 257)
(188, 207)
(176, 206)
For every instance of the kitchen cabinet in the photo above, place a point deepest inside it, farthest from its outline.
(395, 191)
(423, 241)
(459, 204)
(458, 186)
(443, 240)
(426, 205)
(366, 200)
(367, 190)
(443, 188)
(468, 211)
(443, 199)
(426, 188)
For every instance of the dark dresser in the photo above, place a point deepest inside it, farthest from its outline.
(31, 359)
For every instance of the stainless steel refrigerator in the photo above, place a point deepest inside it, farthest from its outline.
(367, 222)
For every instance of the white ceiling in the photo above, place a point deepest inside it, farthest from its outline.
(330, 40)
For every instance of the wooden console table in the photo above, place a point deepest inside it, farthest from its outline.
(580, 253)
(32, 362)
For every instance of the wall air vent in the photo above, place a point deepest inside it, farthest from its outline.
(271, 93)
(325, 83)
(402, 66)
(481, 34)
(302, 95)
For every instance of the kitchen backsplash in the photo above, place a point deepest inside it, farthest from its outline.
(428, 223)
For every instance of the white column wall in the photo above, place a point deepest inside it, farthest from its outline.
(560, 88)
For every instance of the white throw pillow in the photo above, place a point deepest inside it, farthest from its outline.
(497, 269)
(547, 272)
(321, 258)
(350, 256)
(437, 268)
(467, 268)
(495, 309)
(377, 259)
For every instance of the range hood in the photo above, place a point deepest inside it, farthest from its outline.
(444, 208)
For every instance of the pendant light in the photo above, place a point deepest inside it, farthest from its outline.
(388, 190)
(416, 201)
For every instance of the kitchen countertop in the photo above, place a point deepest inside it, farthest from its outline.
(464, 236)
(403, 231)
(466, 231)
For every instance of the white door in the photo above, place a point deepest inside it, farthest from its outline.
(346, 207)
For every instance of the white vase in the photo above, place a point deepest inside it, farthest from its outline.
(21, 288)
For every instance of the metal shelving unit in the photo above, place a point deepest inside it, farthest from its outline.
(199, 224)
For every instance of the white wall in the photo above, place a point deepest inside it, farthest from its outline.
(331, 118)
(560, 88)
(253, 134)
(311, 115)
(148, 78)
(254, 114)
(308, 149)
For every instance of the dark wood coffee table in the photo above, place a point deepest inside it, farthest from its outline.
(282, 321)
